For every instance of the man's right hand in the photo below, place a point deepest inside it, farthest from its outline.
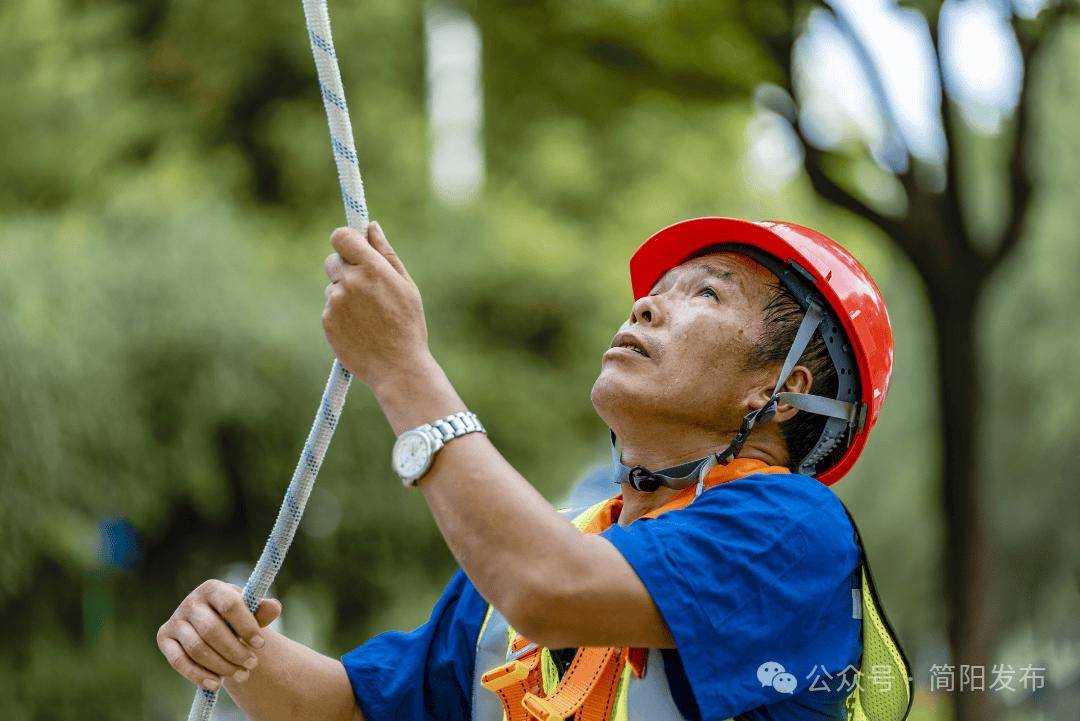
(212, 634)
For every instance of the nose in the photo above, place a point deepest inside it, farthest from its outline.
(646, 311)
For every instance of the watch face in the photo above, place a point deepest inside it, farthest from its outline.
(412, 454)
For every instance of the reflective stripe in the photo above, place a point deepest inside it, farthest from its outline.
(490, 652)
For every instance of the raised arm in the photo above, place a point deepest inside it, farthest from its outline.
(492, 518)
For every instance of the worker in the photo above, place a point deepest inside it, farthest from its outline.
(722, 579)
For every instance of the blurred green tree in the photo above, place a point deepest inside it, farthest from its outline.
(166, 183)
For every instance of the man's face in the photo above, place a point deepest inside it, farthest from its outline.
(681, 355)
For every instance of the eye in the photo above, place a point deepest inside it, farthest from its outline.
(707, 291)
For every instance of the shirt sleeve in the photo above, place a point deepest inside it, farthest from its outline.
(425, 674)
(755, 571)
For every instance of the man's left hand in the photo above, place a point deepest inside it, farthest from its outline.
(373, 317)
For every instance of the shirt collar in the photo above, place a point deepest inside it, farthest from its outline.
(737, 468)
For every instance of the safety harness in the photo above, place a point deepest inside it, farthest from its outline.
(845, 414)
(598, 683)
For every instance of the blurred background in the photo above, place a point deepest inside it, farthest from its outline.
(166, 196)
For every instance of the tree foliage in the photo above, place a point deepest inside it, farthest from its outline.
(166, 198)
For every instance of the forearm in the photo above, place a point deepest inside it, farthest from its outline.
(294, 683)
(491, 517)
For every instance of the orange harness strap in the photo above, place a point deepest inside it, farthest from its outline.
(514, 680)
(588, 689)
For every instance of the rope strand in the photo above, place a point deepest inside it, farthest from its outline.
(337, 386)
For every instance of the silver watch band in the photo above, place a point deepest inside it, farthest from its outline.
(435, 435)
(452, 426)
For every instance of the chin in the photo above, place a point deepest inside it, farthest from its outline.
(613, 394)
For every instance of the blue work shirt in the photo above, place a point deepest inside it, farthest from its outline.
(754, 579)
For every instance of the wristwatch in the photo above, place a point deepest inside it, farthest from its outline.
(415, 449)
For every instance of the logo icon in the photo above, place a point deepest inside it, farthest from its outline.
(773, 674)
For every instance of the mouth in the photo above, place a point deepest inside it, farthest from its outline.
(630, 342)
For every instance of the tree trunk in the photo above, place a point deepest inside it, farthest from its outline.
(966, 553)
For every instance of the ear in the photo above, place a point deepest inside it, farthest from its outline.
(799, 381)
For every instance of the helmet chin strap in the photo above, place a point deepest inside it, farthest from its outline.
(642, 479)
(682, 475)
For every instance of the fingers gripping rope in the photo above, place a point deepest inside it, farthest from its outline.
(333, 399)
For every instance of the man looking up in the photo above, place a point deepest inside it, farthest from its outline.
(725, 578)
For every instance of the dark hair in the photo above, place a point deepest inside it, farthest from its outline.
(783, 314)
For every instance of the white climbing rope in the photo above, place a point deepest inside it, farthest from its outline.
(333, 399)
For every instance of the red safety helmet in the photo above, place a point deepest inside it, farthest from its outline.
(825, 269)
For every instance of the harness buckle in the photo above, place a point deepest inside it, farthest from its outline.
(540, 709)
(509, 673)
